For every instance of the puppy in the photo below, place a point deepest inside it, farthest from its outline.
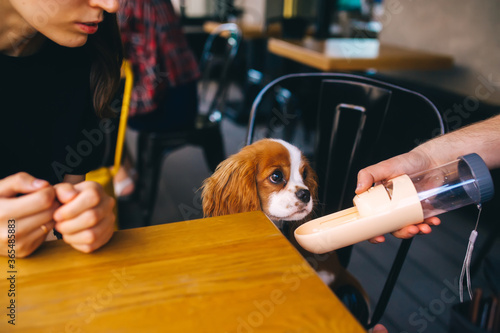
(269, 175)
(273, 176)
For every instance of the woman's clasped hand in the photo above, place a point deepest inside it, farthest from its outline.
(30, 208)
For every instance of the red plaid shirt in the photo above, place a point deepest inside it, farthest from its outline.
(157, 49)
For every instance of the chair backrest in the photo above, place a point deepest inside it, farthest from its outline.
(218, 54)
(343, 123)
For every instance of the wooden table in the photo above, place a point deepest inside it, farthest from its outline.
(249, 31)
(230, 274)
(318, 54)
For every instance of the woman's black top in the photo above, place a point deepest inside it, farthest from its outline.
(48, 127)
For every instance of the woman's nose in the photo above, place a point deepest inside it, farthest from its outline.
(110, 6)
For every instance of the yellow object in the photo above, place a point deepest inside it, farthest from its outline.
(104, 175)
(290, 8)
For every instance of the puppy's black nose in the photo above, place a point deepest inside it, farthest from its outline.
(303, 195)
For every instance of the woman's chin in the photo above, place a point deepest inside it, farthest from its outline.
(73, 41)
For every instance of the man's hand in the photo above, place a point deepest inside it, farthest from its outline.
(409, 163)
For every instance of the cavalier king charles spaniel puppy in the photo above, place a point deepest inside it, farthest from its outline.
(273, 176)
(270, 175)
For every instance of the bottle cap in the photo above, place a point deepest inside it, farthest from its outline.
(473, 165)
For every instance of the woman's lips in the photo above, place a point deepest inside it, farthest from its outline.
(88, 27)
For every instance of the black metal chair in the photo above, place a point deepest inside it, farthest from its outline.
(219, 52)
(343, 123)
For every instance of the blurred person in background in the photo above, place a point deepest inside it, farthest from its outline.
(164, 95)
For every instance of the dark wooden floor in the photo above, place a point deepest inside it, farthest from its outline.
(428, 284)
(427, 287)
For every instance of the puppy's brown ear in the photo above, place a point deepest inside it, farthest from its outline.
(232, 188)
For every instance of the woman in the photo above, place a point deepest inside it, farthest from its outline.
(60, 64)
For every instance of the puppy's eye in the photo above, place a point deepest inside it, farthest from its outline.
(276, 177)
(304, 174)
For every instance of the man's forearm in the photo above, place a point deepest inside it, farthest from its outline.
(482, 138)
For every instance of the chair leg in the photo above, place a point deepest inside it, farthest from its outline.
(344, 255)
(148, 174)
(142, 171)
(213, 148)
(151, 166)
(139, 153)
(390, 282)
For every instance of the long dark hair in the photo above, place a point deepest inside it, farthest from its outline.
(107, 56)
